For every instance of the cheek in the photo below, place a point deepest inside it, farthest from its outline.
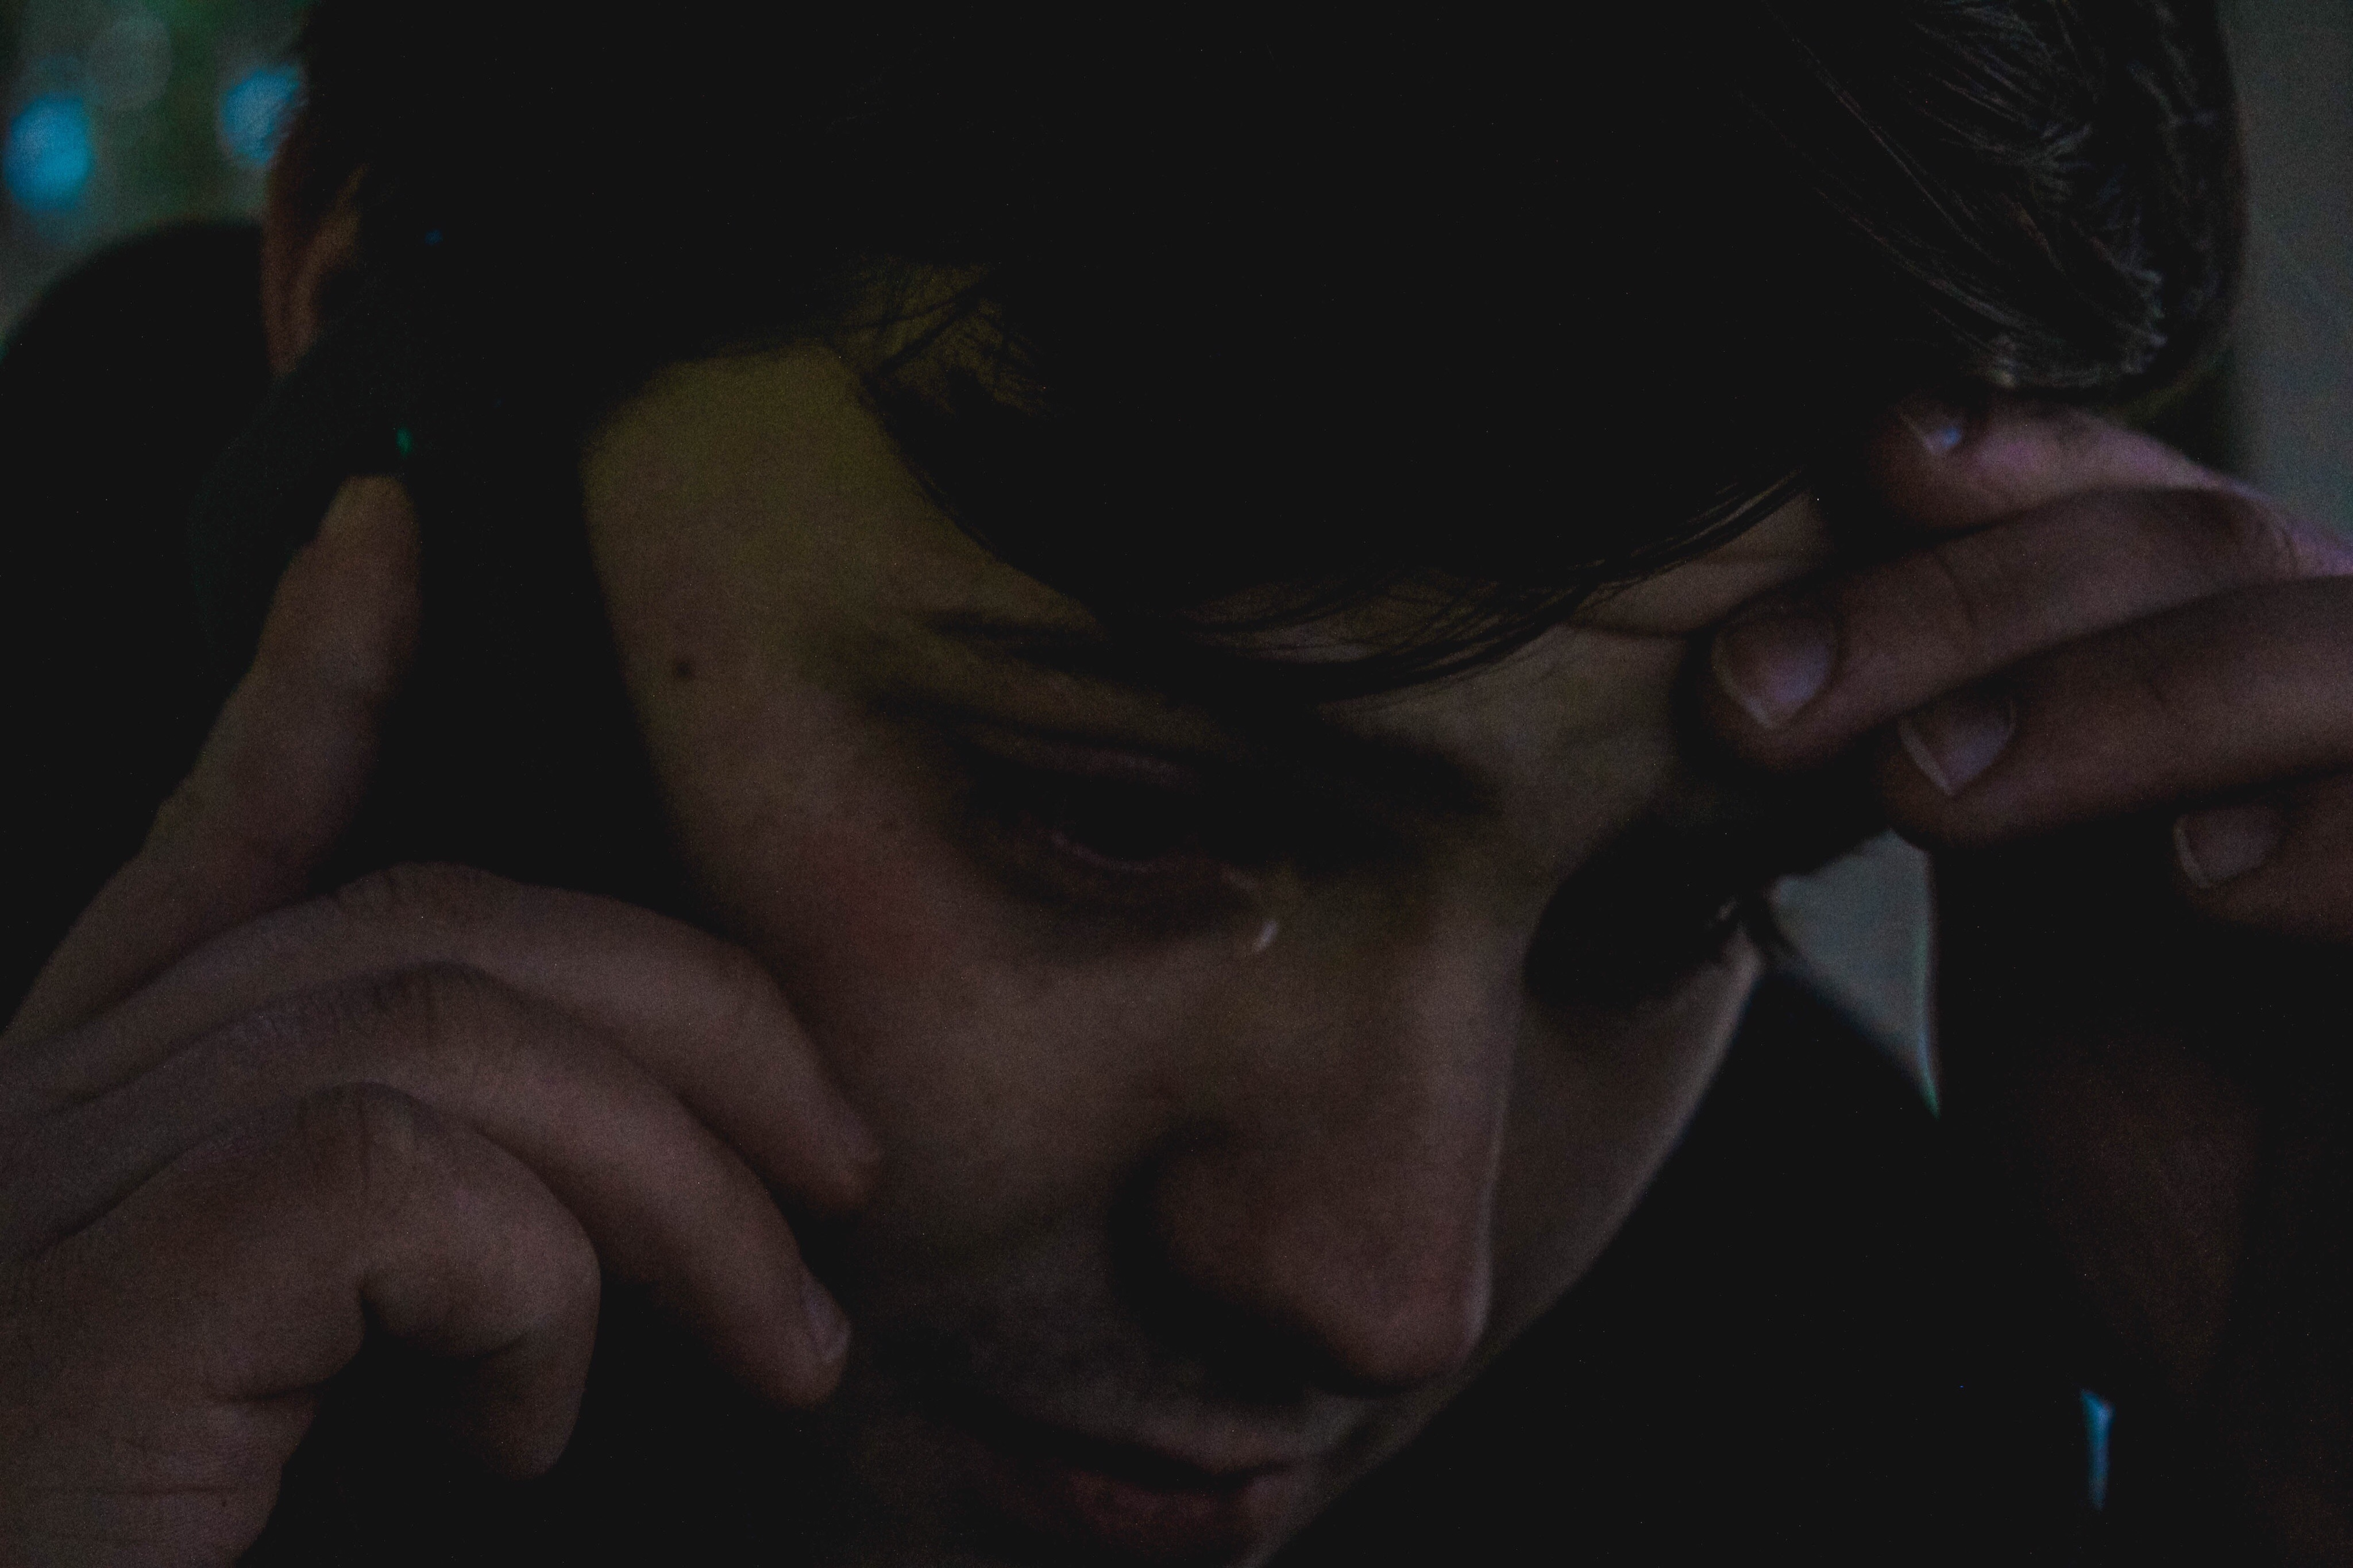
(1598, 1102)
(1014, 1086)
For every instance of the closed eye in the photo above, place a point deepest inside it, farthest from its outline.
(1099, 830)
(1638, 920)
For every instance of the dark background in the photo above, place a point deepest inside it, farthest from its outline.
(124, 114)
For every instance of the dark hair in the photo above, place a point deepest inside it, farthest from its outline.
(1508, 312)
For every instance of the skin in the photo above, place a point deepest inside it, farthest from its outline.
(252, 1120)
(1362, 1188)
(2107, 685)
(1079, 1133)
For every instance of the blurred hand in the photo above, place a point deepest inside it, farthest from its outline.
(240, 1125)
(2113, 691)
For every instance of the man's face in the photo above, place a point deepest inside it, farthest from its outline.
(1248, 1073)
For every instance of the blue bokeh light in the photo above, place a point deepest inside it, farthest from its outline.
(255, 111)
(49, 155)
(2099, 1423)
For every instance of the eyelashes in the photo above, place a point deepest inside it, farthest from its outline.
(1128, 829)
(1162, 849)
(1627, 962)
(1629, 935)
(1096, 832)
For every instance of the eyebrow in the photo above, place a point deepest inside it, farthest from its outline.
(1273, 729)
(1764, 827)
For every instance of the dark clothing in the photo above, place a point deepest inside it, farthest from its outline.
(1796, 1343)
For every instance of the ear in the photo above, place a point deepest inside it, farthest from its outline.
(309, 244)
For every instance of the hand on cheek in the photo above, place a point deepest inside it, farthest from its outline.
(2090, 627)
(248, 1129)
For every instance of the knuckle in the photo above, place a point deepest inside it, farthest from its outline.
(366, 1142)
(1961, 593)
(2166, 685)
(2246, 538)
(424, 1024)
(439, 898)
(436, 1010)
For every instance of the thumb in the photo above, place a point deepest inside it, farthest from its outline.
(280, 777)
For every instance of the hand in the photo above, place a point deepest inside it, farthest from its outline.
(241, 1125)
(2113, 691)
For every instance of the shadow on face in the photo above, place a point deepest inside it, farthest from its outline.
(1249, 1070)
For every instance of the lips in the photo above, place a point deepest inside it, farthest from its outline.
(1121, 1501)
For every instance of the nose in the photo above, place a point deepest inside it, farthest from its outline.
(1337, 1194)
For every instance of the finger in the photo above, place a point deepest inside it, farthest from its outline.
(1802, 676)
(665, 1203)
(280, 776)
(2280, 861)
(185, 1334)
(2229, 695)
(698, 1014)
(1942, 468)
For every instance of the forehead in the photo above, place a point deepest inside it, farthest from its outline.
(761, 494)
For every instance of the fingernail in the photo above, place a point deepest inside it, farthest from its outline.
(2225, 842)
(1956, 740)
(1940, 426)
(828, 1327)
(1774, 662)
